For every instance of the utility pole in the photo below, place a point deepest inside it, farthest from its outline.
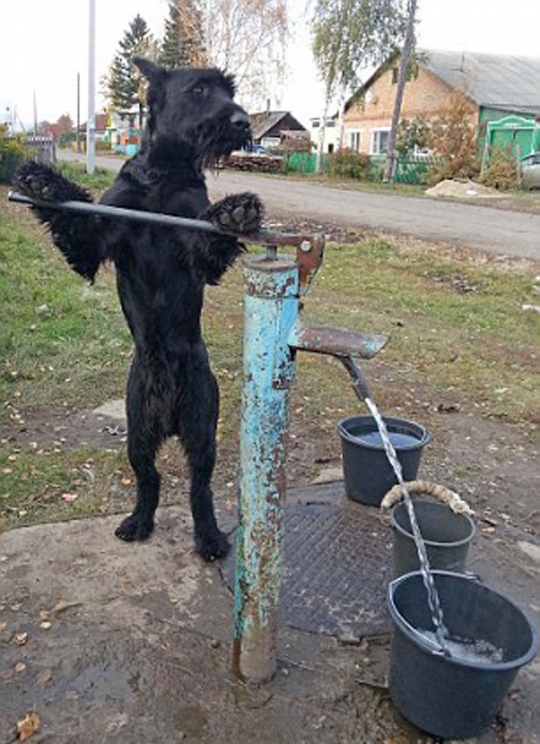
(91, 121)
(35, 115)
(408, 45)
(78, 125)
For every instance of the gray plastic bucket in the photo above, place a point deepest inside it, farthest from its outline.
(368, 474)
(451, 698)
(447, 536)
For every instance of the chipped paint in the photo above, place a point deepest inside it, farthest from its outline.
(271, 310)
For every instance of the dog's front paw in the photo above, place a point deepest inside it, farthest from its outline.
(241, 214)
(44, 183)
(134, 528)
(211, 546)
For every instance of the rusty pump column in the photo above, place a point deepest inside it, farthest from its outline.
(272, 288)
(273, 333)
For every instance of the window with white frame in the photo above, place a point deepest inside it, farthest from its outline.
(379, 141)
(355, 138)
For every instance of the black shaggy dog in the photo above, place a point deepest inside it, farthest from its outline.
(161, 274)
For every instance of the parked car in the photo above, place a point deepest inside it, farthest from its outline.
(530, 171)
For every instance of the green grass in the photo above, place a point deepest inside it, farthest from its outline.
(59, 338)
(100, 180)
(65, 346)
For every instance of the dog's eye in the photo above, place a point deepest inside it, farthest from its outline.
(199, 90)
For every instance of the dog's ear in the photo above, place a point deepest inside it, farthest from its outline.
(152, 72)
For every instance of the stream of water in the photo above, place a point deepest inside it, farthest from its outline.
(441, 633)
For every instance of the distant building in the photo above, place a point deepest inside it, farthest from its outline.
(273, 128)
(503, 92)
(100, 128)
(331, 133)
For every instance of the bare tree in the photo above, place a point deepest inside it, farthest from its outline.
(248, 38)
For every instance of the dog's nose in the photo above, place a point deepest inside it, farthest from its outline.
(240, 120)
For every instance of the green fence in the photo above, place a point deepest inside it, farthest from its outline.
(415, 170)
(412, 170)
(303, 162)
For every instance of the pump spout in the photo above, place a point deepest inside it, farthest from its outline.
(359, 383)
(336, 342)
(344, 345)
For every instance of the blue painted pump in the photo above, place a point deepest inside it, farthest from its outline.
(273, 332)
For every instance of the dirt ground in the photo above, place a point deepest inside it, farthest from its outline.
(131, 644)
(109, 689)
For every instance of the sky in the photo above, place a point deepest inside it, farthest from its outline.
(44, 44)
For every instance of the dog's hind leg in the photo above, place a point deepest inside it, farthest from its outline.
(145, 434)
(197, 433)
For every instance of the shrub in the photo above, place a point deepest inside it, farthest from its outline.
(453, 140)
(502, 170)
(12, 155)
(346, 163)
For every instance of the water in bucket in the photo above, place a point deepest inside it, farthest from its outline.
(467, 649)
(398, 440)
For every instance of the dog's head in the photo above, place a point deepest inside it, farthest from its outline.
(192, 113)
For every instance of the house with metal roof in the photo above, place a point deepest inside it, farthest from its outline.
(503, 92)
(271, 128)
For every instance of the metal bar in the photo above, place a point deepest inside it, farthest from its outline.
(103, 210)
(270, 311)
(264, 237)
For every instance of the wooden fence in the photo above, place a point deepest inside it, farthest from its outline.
(41, 148)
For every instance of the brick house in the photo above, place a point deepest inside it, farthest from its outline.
(503, 92)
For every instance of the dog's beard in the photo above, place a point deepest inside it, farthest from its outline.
(218, 139)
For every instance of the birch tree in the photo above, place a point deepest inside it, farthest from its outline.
(248, 38)
(348, 37)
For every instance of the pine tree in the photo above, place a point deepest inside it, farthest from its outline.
(169, 55)
(183, 41)
(124, 84)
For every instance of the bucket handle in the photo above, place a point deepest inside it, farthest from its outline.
(441, 493)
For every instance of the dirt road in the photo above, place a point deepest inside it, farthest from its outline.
(483, 227)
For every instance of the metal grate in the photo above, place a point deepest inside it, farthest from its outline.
(337, 564)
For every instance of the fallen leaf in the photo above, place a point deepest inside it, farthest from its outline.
(28, 726)
(62, 605)
(44, 676)
(69, 497)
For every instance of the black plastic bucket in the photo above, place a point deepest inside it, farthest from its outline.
(367, 472)
(451, 698)
(447, 536)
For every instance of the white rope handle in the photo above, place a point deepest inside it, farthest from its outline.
(426, 488)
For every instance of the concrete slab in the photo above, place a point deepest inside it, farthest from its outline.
(113, 409)
(112, 642)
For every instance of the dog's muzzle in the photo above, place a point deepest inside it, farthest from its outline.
(241, 127)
